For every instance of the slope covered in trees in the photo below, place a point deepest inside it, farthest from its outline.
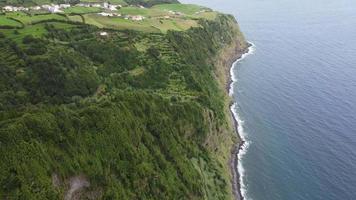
(132, 112)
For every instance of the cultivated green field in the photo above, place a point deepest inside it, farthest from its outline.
(188, 9)
(121, 2)
(25, 3)
(30, 19)
(37, 30)
(147, 12)
(207, 15)
(4, 21)
(82, 10)
(75, 18)
(158, 19)
(147, 25)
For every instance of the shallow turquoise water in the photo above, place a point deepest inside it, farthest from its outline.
(297, 97)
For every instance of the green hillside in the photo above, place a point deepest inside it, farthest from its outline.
(136, 113)
(148, 3)
(157, 19)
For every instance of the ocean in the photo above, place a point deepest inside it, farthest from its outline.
(296, 98)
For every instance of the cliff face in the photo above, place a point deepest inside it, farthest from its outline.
(224, 44)
(223, 63)
(130, 116)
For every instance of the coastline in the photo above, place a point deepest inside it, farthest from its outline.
(229, 135)
(240, 144)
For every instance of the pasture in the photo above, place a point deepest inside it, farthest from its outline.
(187, 9)
(158, 19)
(82, 10)
(5, 21)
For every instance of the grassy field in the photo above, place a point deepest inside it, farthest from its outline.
(188, 9)
(147, 25)
(25, 3)
(121, 2)
(118, 23)
(158, 19)
(26, 19)
(207, 15)
(75, 18)
(4, 21)
(37, 30)
(147, 12)
(82, 10)
(176, 24)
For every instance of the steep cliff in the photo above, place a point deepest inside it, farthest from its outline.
(133, 115)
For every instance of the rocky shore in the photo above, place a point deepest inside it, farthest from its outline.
(236, 186)
(228, 57)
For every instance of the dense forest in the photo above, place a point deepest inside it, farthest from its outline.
(131, 113)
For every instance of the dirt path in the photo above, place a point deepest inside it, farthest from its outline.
(76, 184)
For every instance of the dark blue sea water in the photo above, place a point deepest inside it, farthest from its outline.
(297, 97)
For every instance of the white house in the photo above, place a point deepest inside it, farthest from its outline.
(54, 9)
(112, 7)
(14, 9)
(8, 8)
(35, 8)
(96, 5)
(106, 14)
(175, 12)
(137, 17)
(103, 33)
(64, 5)
(51, 8)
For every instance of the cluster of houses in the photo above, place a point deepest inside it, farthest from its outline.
(130, 17)
(109, 8)
(14, 9)
(58, 8)
(201, 11)
(104, 5)
(175, 13)
(135, 17)
(105, 14)
(53, 8)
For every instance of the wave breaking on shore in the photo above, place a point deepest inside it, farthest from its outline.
(244, 144)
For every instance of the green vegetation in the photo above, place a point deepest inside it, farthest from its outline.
(37, 30)
(147, 25)
(187, 9)
(33, 19)
(136, 112)
(82, 10)
(6, 22)
(158, 19)
(147, 12)
(121, 2)
(147, 3)
(24, 2)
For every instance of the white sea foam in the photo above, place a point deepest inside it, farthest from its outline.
(251, 50)
(242, 152)
(240, 127)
